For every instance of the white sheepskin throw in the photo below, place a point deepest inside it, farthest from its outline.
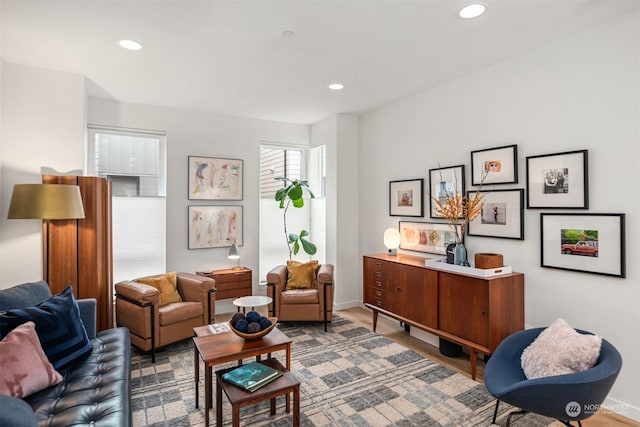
(560, 350)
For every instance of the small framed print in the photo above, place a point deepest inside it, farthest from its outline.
(214, 226)
(501, 215)
(427, 236)
(212, 178)
(405, 197)
(558, 181)
(589, 243)
(495, 165)
(443, 181)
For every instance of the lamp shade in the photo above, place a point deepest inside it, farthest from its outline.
(46, 201)
(233, 252)
(392, 240)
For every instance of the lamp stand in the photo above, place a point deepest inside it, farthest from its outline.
(237, 267)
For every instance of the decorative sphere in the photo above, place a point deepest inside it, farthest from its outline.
(253, 327)
(253, 316)
(264, 323)
(234, 319)
(242, 325)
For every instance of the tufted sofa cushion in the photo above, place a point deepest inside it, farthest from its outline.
(95, 388)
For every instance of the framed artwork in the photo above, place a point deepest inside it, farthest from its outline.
(426, 236)
(590, 243)
(212, 178)
(558, 180)
(405, 197)
(442, 181)
(501, 215)
(214, 226)
(495, 165)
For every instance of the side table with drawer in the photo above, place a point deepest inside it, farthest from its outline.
(230, 283)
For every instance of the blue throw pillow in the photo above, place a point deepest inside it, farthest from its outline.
(58, 325)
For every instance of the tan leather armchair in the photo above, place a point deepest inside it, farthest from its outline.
(151, 325)
(301, 304)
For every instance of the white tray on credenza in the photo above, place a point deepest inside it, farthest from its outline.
(471, 271)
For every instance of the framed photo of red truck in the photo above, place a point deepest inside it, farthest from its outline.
(585, 242)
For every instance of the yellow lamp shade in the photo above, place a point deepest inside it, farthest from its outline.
(46, 201)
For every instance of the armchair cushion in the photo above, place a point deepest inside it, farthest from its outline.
(58, 325)
(25, 367)
(302, 275)
(166, 284)
(299, 296)
(559, 350)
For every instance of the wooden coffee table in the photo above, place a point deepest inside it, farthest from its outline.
(285, 385)
(228, 347)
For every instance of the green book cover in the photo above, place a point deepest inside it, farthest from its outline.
(251, 376)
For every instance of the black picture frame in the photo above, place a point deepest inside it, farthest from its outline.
(444, 179)
(497, 165)
(584, 242)
(406, 198)
(558, 180)
(501, 216)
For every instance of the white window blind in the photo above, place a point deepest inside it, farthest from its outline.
(135, 164)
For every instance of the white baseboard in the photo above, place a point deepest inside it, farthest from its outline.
(621, 408)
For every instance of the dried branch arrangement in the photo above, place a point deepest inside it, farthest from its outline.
(459, 209)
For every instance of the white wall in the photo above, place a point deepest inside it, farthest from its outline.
(578, 93)
(43, 126)
(191, 133)
(340, 135)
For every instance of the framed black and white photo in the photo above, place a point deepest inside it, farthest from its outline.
(426, 236)
(495, 165)
(214, 226)
(558, 180)
(405, 197)
(443, 181)
(590, 243)
(212, 178)
(501, 215)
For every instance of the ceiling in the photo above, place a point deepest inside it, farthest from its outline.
(230, 56)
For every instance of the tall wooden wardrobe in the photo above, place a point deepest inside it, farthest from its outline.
(79, 252)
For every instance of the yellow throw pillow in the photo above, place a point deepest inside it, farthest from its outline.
(166, 284)
(302, 276)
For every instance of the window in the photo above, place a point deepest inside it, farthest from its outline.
(134, 162)
(276, 162)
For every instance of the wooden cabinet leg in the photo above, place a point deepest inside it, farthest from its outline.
(474, 362)
(375, 320)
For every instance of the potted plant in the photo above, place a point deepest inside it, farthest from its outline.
(292, 194)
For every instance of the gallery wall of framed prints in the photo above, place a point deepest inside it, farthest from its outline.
(581, 242)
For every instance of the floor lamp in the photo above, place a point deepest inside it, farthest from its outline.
(48, 202)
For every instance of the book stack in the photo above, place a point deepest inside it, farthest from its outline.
(251, 376)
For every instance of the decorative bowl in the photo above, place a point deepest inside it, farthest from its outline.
(257, 335)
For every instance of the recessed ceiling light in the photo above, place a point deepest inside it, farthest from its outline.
(336, 86)
(473, 10)
(129, 44)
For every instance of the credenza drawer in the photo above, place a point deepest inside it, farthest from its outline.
(380, 298)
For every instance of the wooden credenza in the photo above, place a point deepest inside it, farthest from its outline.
(475, 312)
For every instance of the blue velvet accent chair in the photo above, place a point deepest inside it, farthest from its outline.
(570, 397)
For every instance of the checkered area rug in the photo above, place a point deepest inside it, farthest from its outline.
(349, 376)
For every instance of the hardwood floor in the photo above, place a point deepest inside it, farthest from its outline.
(392, 329)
